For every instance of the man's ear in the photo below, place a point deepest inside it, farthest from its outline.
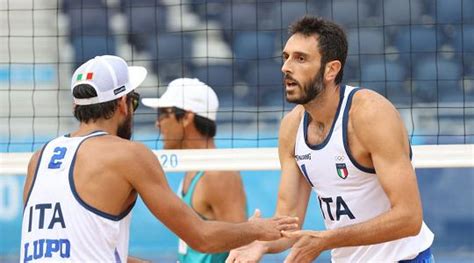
(188, 118)
(123, 105)
(331, 70)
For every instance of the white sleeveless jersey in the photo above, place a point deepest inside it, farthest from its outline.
(349, 193)
(57, 224)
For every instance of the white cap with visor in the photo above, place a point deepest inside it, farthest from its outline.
(110, 76)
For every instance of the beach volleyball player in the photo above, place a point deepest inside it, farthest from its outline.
(81, 187)
(350, 146)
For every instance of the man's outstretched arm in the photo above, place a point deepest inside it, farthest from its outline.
(147, 178)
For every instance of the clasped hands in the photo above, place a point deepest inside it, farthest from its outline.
(307, 247)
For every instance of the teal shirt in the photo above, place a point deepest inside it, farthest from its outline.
(187, 254)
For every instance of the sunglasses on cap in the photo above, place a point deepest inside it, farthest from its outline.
(135, 99)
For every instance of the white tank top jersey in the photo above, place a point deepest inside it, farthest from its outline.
(349, 193)
(57, 224)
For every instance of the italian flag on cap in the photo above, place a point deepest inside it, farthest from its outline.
(88, 76)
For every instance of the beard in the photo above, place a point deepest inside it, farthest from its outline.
(124, 130)
(309, 92)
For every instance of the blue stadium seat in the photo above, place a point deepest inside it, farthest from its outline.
(239, 16)
(468, 58)
(353, 41)
(250, 45)
(218, 76)
(449, 36)
(145, 18)
(265, 78)
(382, 70)
(208, 9)
(366, 40)
(398, 93)
(291, 11)
(351, 69)
(264, 72)
(171, 46)
(374, 13)
(171, 54)
(384, 76)
(348, 12)
(437, 79)
(433, 68)
(417, 39)
(87, 47)
(451, 91)
(89, 30)
(448, 11)
(284, 13)
(280, 14)
(465, 40)
(221, 78)
(402, 12)
(371, 40)
(254, 44)
(86, 17)
(468, 17)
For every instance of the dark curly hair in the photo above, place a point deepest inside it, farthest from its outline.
(331, 38)
(87, 113)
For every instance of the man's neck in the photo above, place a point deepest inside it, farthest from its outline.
(99, 125)
(323, 108)
(199, 142)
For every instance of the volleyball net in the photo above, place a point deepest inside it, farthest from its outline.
(416, 53)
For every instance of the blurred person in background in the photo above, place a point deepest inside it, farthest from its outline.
(187, 120)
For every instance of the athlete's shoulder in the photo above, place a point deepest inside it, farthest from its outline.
(293, 116)
(367, 104)
(221, 177)
(118, 149)
(289, 129)
(290, 122)
(137, 150)
(220, 180)
(34, 159)
(372, 114)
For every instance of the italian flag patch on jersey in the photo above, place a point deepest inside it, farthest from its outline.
(342, 170)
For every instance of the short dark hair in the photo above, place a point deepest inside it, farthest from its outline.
(204, 125)
(332, 39)
(93, 112)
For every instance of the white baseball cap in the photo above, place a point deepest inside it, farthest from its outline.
(188, 94)
(110, 76)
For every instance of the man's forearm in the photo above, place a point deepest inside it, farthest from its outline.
(221, 236)
(389, 226)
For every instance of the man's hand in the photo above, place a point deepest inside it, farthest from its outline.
(270, 228)
(256, 214)
(307, 248)
(251, 253)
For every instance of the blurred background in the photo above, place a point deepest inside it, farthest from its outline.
(417, 53)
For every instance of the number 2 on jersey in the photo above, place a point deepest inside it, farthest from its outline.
(59, 153)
